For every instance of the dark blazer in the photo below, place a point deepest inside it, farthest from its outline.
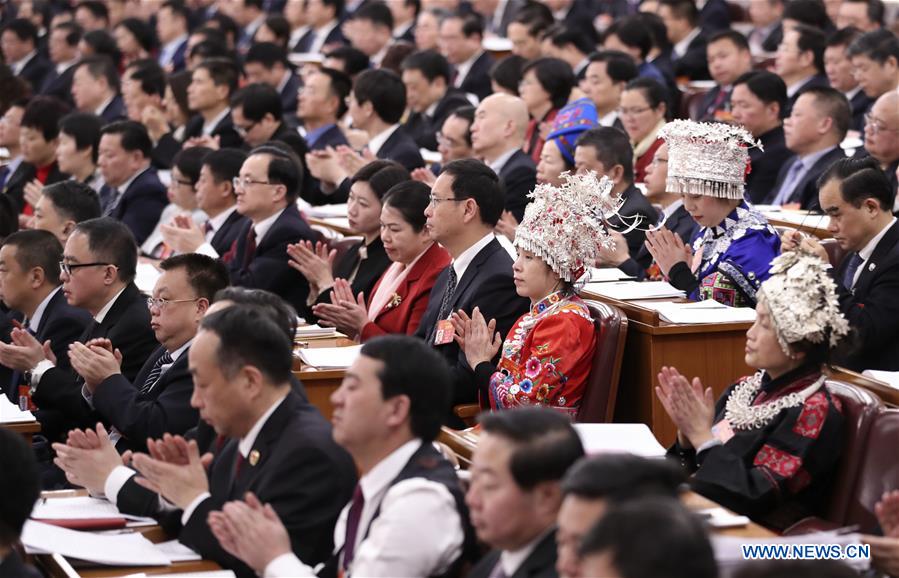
(775, 37)
(164, 151)
(62, 324)
(860, 104)
(370, 269)
(540, 564)
(766, 165)
(413, 292)
(114, 111)
(335, 36)
(693, 63)
(582, 13)
(164, 409)
(268, 269)
(635, 205)
(289, 136)
(228, 137)
(519, 177)
(872, 308)
(312, 192)
(487, 284)
(59, 85)
(711, 104)
(179, 59)
(714, 16)
(35, 70)
(477, 81)
(806, 191)
(289, 94)
(12, 566)
(401, 147)
(510, 10)
(423, 127)
(681, 223)
(224, 238)
(815, 81)
(25, 173)
(333, 137)
(58, 395)
(305, 476)
(141, 204)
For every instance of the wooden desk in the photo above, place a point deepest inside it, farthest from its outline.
(25, 429)
(321, 384)
(711, 351)
(815, 225)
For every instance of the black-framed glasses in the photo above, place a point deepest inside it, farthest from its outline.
(244, 130)
(67, 268)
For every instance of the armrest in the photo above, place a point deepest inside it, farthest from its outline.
(467, 412)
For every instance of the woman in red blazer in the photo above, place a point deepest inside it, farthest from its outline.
(400, 297)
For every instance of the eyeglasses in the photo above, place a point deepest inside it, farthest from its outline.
(243, 130)
(180, 182)
(438, 200)
(446, 141)
(876, 125)
(163, 303)
(633, 111)
(244, 183)
(67, 268)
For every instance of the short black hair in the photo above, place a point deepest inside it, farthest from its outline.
(189, 161)
(653, 91)
(676, 533)
(268, 54)
(257, 100)
(224, 164)
(37, 248)
(178, 8)
(632, 31)
(472, 179)
(561, 36)
(472, 23)
(545, 444)
(875, 12)
(340, 85)
(506, 72)
(812, 40)
(134, 136)
(735, 38)
(19, 485)
(410, 199)
(384, 90)
(43, 113)
(72, 30)
(279, 310)
(280, 27)
(354, 60)
(878, 45)
(617, 477)
(612, 147)
(683, 10)
(226, 24)
(248, 336)
(375, 12)
(809, 12)
(555, 76)
(24, 29)
(657, 29)
(834, 104)
(766, 86)
(860, 179)
(843, 37)
(111, 241)
(142, 32)
(206, 276)
(84, 128)
(620, 67)
(336, 4)
(149, 75)
(97, 9)
(73, 200)
(223, 71)
(209, 48)
(103, 44)
(284, 167)
(101, 66)
(430, 63)
(466, 113)
(535, 17)
(412, 368)
(381, 176)
(796, 569)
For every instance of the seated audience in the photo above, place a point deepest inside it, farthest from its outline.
(800, 62)
(10, 130)
(557, 156)
(62, 206)
(427, 28)
(567, 44)
(882, 135)
(135, 40)
(62, 48)
(172, 25)
(20, 488)
(505, 75)
(688, 54)
(143, 87)
(95, 89)
(643, 111)
(864, 15)
(732, 250)
(530, 22)
(875, 62)
(267, 63)
(522, 455)
(813, 132)
(729, 58)
(408, 516)
(607, 75)
(427, 78)
(323, 20)
(79, 148)
(770, 445)
(841, 76)
(20, 46)
(631, 36)
(209, 95)
(347, 60)
(258, 118)
(460, 41)
(168, 124)
(320, 105)
(545, 86)
(370, 30)
(767, 29)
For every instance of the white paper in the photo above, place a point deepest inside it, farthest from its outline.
(720, 518)
(10, 413)
(315, 330)
(606, 274)
(113, 550)
(146, 277)
(632, 438)
(729, 553)
(628, 290)
(206, 574)
(330, 357)
(178, 552)
(708, 311)
(890, 378)
(327, 211)
(81, 508)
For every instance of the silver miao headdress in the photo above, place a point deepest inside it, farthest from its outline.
(709, 159)
(802, 299)
(566, 225)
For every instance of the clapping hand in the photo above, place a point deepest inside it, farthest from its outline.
(183, 234)
(87, 458)
(345, 312)
(667, 249)
(315, 262)
(690, 407)
(482, 341)
(174, 469)
(250, 531)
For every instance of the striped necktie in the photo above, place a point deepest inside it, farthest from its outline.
(156, 372)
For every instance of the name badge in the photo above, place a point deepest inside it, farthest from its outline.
(444, 332)
(722, 431)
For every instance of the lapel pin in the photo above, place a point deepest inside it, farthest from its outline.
(872, 266)
(254, 457)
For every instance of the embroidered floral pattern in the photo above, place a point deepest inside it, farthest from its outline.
(778, 461)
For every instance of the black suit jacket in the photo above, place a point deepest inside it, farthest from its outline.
(817, 80)
(62, 324)
(305, 476)
(680, 223)
(12, 566)
(872, 308)
(333, 137)
(708, 106)
(58, 395)
(519, 177)
(164, 409)
(766, 165)
(312, 192)
(226, 236)
(335, 36)
(714, 16)
(35, 70)
(289, 136)
(59, 85)
(540, 564)
(860, 104)
(487, 284)
(775, 37)
(289, 95)
(635, 205)
(370, 269)
(477, 81)
(25, 173)
(423, 127)
(141, 205)
(268, 269)
(582, 13)
(401, 147)
(693, 63)
(228, 137)
(114, 111)
(806, 191)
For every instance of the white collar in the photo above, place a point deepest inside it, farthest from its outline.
(209, 127)
(497, 18)
(124, 186)
(500, 161)
(851, 94)
(63, 66)
(172, 47)
(99, 110)
(264, 225)
(327, 28)
(385, 471)
(251, 28)
(377, 57)
(398, 31)
(461, 263)
(376, 142)
(101, 315)
(681, 47)
(433, 108)
(609, 118)
(35, 320)
(177, 353)
(18, 65)
(868, 249)
(284, 80)
(295, 36)
(512, 560)
(463, 68)
(794, 88)
(321, 35)
(246, 443)
(217, 221)
(670, 209)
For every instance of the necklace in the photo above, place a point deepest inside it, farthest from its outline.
(742, 415)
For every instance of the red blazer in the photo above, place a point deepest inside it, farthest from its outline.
(414, 292)
(642, 162)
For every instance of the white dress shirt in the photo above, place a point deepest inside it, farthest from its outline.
(215, 223)
(511, 560)
(376, 142)
(167, 53)
(417, 533)
(18, 65)
(35, 320)
(209, 127)
(321, 35)
(681, 47)
(463, 69)
(263, 226)
(500, 161)
(461, 263)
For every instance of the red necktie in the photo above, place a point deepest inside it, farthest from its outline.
(250, 248)
(352, 526)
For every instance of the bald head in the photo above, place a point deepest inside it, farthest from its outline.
(882, 129)
(500, 124)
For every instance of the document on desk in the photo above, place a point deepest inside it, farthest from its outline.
(330, 357)
(629, 290)
(708, 311)
(81, 508)
(606, 274)
(890, 378)
(326, 211)
(111, 550)
(203, 574)
(630, 438)
(10, 413)
(315, 331)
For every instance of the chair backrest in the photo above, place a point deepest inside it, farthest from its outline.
(835, 253)
(860, 408)
(879, 470)
(691, 103)
(598, 404)
(341, 246)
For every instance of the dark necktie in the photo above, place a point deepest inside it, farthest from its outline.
(109, 200)
(352, 526)
(4, 174)
(156, 372)
(855, 261)
(444, 310)
(250, 248)
(207, 227)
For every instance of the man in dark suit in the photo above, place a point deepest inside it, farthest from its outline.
(714, 16)
(266, 190)
(578, 16)
(839, 70)
(466, 203)
(209, 93)
(62, 206)
(813, 133)
(323, 19)
(460, 41)
(258, 117)
(31, 287)
(767, 30)
(278, 446)
(171, 29)
(158, 400)
(497, 15)
(267, 62)
(800, 62)
(63, 47)
(882, 135)
(868, 277)
(427, 78)
(99, 264)
(509, 460)
(728, 58)
(133, 193)
(497, 137)
(321, 105)
(689, 52)
(20, 488)
(608, 72)
(20, 52)
(95, 89)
